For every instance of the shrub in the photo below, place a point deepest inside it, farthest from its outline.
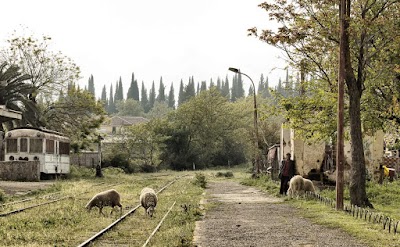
(227, 174)
(200, 180)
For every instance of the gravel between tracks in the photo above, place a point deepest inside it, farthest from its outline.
(245, 216)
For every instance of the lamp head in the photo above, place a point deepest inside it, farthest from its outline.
(234, 70)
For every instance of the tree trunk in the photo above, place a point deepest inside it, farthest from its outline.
(358, 194)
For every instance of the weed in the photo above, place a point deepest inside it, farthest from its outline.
(227, 174)
(200, 180)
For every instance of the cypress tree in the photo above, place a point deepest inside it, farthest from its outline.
(91, 85)
(171, 97)
(189, 90)
(120, 91)
(103, 98)
(234, 88)
(261, 85)
(203, 86)
(211, 83)
(219, 86)
(181, 96)
(152, 96)
(111, 103)
(240, 90)
(161, 92)
(225, 88)
(144, 101)
(133, 91)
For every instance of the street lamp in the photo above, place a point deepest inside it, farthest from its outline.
(256, 157)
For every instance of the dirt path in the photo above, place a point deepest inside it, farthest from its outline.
(244, 216)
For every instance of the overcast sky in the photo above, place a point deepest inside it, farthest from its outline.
(172, 39)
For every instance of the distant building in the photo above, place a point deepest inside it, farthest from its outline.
(112, 131)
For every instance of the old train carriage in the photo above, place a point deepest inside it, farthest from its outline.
(48, 147)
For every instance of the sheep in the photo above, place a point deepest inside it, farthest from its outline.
(308, 185)
(148, 199)
(106, 198)
(296, 185)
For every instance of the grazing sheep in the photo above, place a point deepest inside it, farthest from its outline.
(296, 186)
(148, 199)
(308, 185)
(106, 198)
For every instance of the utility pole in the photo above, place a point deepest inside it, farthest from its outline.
(340, 109)
(99, 172)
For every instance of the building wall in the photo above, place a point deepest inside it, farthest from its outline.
(20, 170)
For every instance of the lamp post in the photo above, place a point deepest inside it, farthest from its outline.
(256, 156)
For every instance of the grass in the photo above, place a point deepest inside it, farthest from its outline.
(67, 223)
(385, 199)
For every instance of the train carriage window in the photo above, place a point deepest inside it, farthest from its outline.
(12, 146)
(23, 145)
(64, 148)
(36, 146)
(50, 146)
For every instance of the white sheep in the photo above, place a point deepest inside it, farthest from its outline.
(148, 199)
(296, 186)
(106, 198)
(308, 185)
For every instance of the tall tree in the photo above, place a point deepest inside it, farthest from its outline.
(77, 115)
(161, 92)
(225, 88)
(103, 98)
(14, 93)
(144, 99)
(369, 31)
(49, 71)
(133, 91)
(119, 91)
(171, 97)
(111, 102)
(152, 95)
(181, 96)
(91, 85)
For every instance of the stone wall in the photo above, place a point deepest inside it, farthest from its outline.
(20, 170)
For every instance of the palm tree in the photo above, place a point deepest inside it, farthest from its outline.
(16, 95)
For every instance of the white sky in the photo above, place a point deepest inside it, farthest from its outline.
(172, 39)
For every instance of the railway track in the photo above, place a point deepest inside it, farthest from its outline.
(43, 203)
(96, 236)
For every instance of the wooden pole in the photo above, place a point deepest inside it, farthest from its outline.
(340, 107)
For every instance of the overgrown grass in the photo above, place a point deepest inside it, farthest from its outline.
(385, 198)
(67, 223)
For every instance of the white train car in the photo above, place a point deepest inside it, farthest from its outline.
(51, 148)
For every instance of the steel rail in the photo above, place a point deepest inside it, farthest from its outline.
(116, 222)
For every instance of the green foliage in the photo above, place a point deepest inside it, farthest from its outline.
(15, 92)
(227, 174)
(200, 180)
(263, 181)
(129, 107)
(80, 172)
(75, 114)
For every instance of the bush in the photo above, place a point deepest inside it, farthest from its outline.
(200, 180)
(227, 174)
